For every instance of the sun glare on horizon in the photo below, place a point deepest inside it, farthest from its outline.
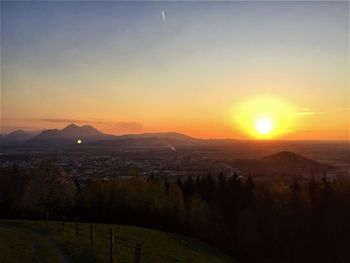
(264, 117)
(264, 126)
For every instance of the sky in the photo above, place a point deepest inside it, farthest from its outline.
(206, 69)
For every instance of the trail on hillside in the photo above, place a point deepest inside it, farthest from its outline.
(21, 244)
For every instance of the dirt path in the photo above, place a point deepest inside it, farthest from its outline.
(21, 244)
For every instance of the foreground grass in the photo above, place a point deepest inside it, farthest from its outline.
(32, 241)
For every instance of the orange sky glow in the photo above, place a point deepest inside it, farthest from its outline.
(209, 70)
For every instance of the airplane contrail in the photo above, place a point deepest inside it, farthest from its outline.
(163, 15)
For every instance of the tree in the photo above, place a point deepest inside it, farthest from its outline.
(296, 194)
(249, 190)
(312, 189)
(198, 215)
(188, 188)
(208, 186)
(176, 206)
(50, 189)
(221, 193)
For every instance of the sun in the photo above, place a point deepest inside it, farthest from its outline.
(264, 126)
(264, 117)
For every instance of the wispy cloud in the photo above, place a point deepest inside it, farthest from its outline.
(58, 120)
(119, 125)
(306, 112)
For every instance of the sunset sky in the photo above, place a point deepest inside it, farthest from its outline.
(204, 69)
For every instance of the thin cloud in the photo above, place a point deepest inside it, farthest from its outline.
(53, 120)
(306, 112)
(303, 113)
(120, 125)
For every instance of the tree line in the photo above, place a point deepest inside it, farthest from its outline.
(303, 221)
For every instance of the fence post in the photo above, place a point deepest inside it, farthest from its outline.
(91, 235)
(63, 219)
(77, 227)
(111, 244)
(46, 218)
(137, 253)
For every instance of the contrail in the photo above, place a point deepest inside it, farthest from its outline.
(163, 15)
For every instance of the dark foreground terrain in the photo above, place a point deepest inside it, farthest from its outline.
(32, 241)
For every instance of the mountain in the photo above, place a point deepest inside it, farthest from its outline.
(70, 135)
(69, 132)
(73, 130)
(16, 137)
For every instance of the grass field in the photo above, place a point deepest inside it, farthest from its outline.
(32, 241)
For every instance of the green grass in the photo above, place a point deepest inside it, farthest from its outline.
(31, 241)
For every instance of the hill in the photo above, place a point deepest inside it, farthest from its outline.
(31, 241)
(290, 162)
(285, 162)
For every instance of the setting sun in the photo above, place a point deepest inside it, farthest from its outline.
(265, 117)
(264, 126)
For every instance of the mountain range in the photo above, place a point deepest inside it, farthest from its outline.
(69, 135)
(90, 136)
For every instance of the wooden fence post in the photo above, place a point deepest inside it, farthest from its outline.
(46, 218)
(63, 219)
(77, 227)
(137, 253)
(91, 235)
(111, 244)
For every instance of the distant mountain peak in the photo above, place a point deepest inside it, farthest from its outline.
(70, 126)
(73, 128)
(17, 132)
(70, 134)
(17, 135)
(89, 127)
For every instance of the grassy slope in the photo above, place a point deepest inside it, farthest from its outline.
(31, 241)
